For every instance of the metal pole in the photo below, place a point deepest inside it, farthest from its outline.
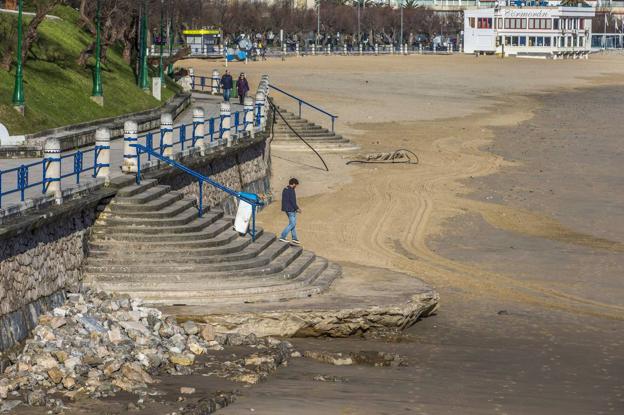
(401, 36)
(161, 68)
(143, 73)
(18, 90)
(318, 20)
(98, 90)
(359, 36)
(171, 39)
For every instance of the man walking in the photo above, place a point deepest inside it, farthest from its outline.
(226, 85)
(289, 205)
(243, 87)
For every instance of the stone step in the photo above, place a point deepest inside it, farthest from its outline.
(280, 258)
(276, 294)
(294, 138)
(167, 210)
(184, 217)
(143, 197)
(155, 206)
(304, 270)
(135, 189)
(218, 240)
(145, 264)
(307, 134)
(240, 249)
(189, 223)
(300, 130)
(205, 229)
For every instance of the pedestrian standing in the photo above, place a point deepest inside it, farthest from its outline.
(226, 85)
(242, 87)
(290, 207)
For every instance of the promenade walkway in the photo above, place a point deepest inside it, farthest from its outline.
(8, 181)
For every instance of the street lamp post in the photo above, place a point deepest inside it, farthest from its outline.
(18, 90)
(359, 36)
(401, 35)
(161, 69)
(97, 93)
(318, 21)
(171, 41)
(143, 74)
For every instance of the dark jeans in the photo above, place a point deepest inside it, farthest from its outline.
(241, 97)
(226, 94)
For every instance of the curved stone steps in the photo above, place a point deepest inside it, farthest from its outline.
(238, 250)
(302, 272)
(220, 239)
(143, 197)
(319, 285)
(154, 206)
(141, 279)
(202, 228)
(146, 266)
(160, 252)
(175, 219)
(135, 189)
(151, 241)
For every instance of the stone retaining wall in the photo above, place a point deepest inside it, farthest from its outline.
(41, 251)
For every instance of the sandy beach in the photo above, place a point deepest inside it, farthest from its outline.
(514, 214)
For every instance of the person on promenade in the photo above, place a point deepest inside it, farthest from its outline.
(226, 85)
(242, 87)
(289, 206)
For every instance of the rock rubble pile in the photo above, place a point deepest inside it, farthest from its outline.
(98, 344)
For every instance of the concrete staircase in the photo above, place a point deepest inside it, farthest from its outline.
(150, 242)
(318, 137)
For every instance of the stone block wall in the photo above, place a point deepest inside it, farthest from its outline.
(36, 265)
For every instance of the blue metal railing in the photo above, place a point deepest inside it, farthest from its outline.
(249, 198)
(81, 164)
(304, 102)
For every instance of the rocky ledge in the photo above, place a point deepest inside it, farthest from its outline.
(363, 299)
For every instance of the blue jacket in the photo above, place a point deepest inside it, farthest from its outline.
(227, 82)
(289, 200)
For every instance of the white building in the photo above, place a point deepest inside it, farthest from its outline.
(534, 31)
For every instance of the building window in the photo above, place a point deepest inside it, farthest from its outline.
(531, 40)
(507, 40)
(471, 22)
(499, 23)
(531, 24)
(484, 23)
(524, 23)
(582, 24)
(540, 41)
(556, 24)
(581, 41)
(547, 41)
(522, 40)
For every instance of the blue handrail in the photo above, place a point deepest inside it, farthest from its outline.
(302, 101)
(249, 198)
(28, 176)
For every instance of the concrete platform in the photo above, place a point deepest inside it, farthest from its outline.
(363, 299)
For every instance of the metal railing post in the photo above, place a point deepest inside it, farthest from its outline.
(249, 116)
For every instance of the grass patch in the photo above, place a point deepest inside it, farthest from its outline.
(58, 90)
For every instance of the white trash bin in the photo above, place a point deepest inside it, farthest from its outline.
(244, 213)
